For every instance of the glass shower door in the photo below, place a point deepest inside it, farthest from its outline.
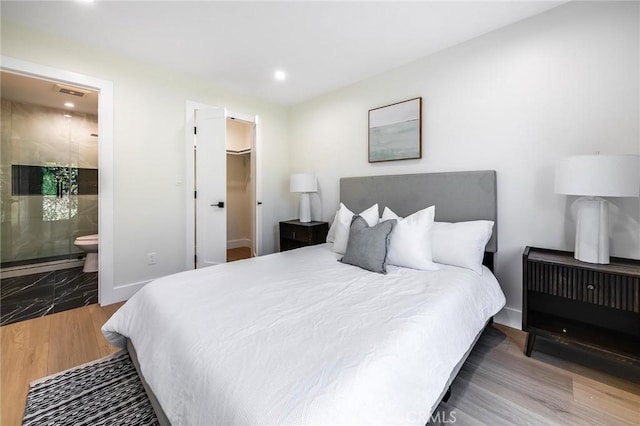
(36, 176)
(48, 172)
(83, 184)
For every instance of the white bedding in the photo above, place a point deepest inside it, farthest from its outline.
(299, 338)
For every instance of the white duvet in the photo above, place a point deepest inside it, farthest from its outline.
(300, 338)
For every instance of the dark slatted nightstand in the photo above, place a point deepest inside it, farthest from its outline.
(593, 305)
(295, 234)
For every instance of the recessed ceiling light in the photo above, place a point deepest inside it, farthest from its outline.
(69, 104)
(280, 75)
(67, 115)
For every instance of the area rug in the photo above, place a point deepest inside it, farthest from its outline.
(103, 392)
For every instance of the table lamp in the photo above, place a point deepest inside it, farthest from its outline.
(592, 176)
(304, 183)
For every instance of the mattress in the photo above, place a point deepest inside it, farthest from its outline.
(300, 338)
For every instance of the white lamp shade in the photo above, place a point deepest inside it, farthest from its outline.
(599, 176)
(303, 182)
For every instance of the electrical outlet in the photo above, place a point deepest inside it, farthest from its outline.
(151, 258)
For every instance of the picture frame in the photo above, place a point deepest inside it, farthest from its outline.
(395, 131)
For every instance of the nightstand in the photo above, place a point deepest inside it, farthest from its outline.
(295, 234)
(592, 305)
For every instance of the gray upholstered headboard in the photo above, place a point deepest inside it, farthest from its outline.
(458, 196)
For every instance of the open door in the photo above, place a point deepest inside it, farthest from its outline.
(206, 183)
(210, 187)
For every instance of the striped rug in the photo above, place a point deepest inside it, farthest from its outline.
(104, 392)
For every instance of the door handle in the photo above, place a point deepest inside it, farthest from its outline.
(219, 204)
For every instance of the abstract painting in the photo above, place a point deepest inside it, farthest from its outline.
(395, 131)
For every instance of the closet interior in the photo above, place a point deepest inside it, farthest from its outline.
(240, 190)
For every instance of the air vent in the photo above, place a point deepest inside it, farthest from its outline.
(70, 90)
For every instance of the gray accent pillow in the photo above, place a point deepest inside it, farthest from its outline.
(367, 246)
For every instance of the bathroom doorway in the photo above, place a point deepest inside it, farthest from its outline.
(50, 194)
(49, 187)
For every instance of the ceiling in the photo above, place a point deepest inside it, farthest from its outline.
(322, 46)
(29, 90)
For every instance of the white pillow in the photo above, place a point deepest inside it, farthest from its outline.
(410, 241)
(343, 220)
(461, 244)
(331, 235)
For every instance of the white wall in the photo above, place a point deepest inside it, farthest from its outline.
(149, 111)
(516, 101)
(239, 135)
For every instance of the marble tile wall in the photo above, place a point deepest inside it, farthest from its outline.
(36, 135)
(37, 295)
(40, 135)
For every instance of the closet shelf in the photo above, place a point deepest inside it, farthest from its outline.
(241, 152)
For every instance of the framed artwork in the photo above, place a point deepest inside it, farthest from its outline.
(395, 131)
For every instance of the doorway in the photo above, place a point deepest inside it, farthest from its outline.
(107, 293)
(49, 186)
(240, 189)
(223, 181)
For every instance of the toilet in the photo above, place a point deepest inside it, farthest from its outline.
(89, 243)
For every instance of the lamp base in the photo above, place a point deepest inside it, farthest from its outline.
(305, 208)
(592, 231)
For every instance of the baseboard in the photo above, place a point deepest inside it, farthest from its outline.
(509, 317)
(124, 292)
(241, 242)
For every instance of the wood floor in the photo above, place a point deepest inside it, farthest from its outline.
(238, 254)
(498, 385)
(42, 346)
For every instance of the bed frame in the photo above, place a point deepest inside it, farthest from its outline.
(458, 196)
(160, 414)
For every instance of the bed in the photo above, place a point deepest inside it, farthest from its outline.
(300, 338)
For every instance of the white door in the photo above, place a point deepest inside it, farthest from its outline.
(210, 186)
